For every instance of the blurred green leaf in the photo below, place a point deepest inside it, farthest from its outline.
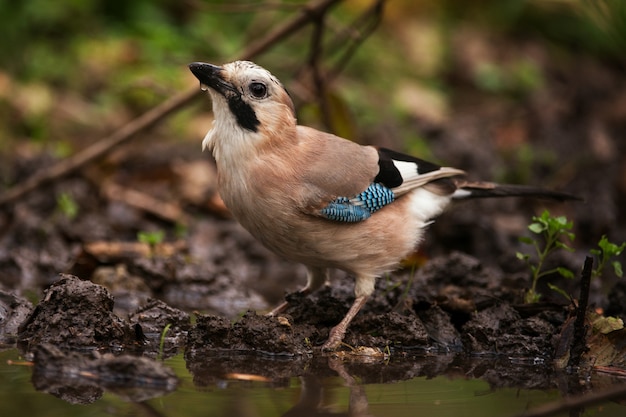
(536, 228)
(152, 238)
(565, 273)
(527, 240)
(607, 250)
(67, 206)
(559, 290)
(563, 246)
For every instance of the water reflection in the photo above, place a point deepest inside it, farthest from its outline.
(358, 405)
(82, 379)
(213, 383)
(210, 368)
(356, 375)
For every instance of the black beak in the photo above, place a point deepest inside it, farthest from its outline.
(211, 76)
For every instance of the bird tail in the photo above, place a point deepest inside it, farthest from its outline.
(467, 189)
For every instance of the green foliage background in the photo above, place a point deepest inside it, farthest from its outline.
(71, 70)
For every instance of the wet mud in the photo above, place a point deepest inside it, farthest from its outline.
(401, 334)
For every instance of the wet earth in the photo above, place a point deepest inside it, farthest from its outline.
(425, 323)
(94, 307)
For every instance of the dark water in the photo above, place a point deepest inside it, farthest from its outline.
(334, 392)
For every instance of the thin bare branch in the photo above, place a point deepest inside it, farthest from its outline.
(99, 148)
(370, 19)
(353, 36)
(308, 13)
(244, 7)
(318, 78)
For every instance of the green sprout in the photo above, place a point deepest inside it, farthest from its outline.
(552, 229)
(607, 250)
(67, 206)
(151, 238)
(162, 341)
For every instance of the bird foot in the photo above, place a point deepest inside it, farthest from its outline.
(335, 338)
(337, 333)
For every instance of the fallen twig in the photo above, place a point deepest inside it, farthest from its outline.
(118, 251)
(611, 370)
(309, 12)
(165, 210)
(572, 403)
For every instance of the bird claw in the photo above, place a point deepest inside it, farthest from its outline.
(335, 339)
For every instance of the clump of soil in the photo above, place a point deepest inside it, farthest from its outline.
(13, 312)
(75, 314)
(161, 322)
(276, 336)
(392, 329)
(501, 330)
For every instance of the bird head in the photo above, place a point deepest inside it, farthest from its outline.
(249, 103)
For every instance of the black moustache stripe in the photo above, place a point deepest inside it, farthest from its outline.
(246, 117)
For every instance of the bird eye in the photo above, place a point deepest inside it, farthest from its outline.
(258, 90)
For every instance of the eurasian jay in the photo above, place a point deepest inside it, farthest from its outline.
(315, 198)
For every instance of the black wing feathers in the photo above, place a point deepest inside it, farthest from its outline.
(388, 173)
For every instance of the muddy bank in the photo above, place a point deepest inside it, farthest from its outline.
(78, 314)
(402, 333)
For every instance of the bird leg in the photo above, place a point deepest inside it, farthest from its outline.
(337, 333)
(315, 279)
(363, 288)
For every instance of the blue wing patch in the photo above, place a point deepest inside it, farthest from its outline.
(360, 207)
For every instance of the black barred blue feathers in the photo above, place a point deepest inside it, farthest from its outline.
(361, 207)
(376, 197)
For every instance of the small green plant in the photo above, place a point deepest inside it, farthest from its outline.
(162, 341)
(67, 206)
(605, 252)
(152, 238)
(553, 230)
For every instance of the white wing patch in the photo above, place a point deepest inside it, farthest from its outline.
(408, 170)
